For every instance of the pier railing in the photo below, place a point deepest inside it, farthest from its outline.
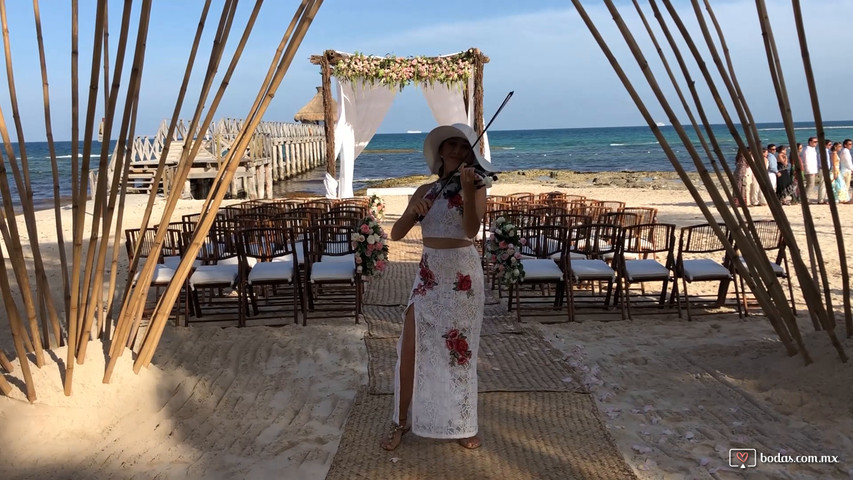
(277, 151)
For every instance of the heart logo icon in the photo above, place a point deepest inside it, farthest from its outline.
(742, 456)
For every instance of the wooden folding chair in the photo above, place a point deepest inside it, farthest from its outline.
(693, 264)
(634, 265)
(771, 241)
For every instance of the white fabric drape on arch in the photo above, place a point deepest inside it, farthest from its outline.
(448, 107)
(361, 109)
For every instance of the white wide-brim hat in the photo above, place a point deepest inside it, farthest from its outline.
(439, 134)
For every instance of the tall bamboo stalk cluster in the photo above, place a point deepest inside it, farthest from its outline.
(38, 323)
(731, 105)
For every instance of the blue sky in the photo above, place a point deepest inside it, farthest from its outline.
(541, 50)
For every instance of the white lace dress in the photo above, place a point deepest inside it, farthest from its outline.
(447, 297)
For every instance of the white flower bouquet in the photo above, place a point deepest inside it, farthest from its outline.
(371, 248)
(503, 249)
(377, 207)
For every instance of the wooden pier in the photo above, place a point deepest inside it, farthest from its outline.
(277, 151)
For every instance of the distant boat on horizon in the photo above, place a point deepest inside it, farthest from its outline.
(660, 124)
(413, 131)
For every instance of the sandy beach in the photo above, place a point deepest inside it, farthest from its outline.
(263, 402)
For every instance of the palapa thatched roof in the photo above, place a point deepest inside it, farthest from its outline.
(312, 112)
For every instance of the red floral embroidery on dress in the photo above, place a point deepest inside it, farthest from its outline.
(457, 343)
(463, 284)
(427, 278)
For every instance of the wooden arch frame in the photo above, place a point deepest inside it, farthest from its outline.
(330, 58)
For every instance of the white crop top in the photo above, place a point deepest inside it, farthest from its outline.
(444, 219)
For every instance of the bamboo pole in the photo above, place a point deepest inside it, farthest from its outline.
(761, 295)
(267, 92)
(24, 184)
(134, 303)
(12, 239)
(5, 388)
(17, 329)
(717, 151)
(784, 322)
(807, 67)
(80, 195)
(809, 289)
(793, 247)
(91, 273)
(48, 129)
(116, 346)
(752, 253)
(785, 109)
(109, 172)
(71, 313)
(5, 363)
(105, 331)
(127, 126)
(185, 164)
(717, 199)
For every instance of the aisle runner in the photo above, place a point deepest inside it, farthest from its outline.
(534, 419)
(541, 435)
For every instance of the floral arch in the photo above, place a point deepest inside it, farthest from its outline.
(366, 86)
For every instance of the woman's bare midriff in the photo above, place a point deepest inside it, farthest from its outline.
(438, 242)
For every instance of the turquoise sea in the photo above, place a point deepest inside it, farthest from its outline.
(399, 154)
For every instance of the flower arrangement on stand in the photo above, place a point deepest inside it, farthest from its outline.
(503, 248)
(371, 248)
(377, 207)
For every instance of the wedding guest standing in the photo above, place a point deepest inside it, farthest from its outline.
(743, 178)
(846, 162)
(772, 166)
(785, 183)
(435, 379)
(839, 188)
(809, 163)
(824, 164)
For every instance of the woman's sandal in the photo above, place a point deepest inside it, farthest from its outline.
(395, 436)
(470, 443)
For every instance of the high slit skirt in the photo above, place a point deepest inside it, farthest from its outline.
(447, 298)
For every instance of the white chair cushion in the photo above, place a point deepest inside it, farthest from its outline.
(285, 258)
(541, 270)
(271, 272)
(214, 275)
(572, 255)
(300, 255)
(777, 269)
(349, 257)
(162, 274)
(250, 261)
(626, 255)
(703, 269)
(332, 272)
(173, 261)
(599, 245)
(591, 270)
(645, 270)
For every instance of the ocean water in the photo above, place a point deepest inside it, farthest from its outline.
(399, 154)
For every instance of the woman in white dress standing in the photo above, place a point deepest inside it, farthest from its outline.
(435, 379)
